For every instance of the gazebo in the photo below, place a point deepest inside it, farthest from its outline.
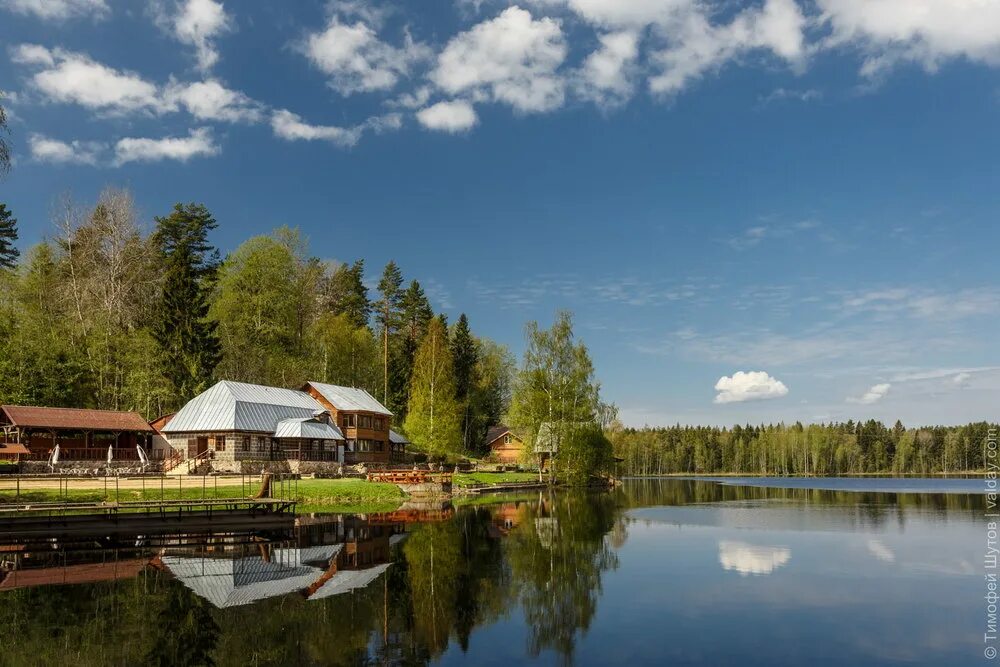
(82, 435)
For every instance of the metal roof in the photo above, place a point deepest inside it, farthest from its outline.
(345, 581)
(236, 406)
(75, 419)
(350, 399)
(398, 438)
(307, 428)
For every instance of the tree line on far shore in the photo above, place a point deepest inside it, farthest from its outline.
(817, 449)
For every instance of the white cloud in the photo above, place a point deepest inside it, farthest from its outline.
(74, 78)
(211, 100)
(357, 60)
(961, 379)
(748, 386)
(53, 151)
(923, 31)
(751, 559)
(696, 46)
(58, 9)
(197, 23)
(873, 395)
(451, 116)
(290, 127)
(619, 13)
(607, 76)
(198, 143)
(511, 58)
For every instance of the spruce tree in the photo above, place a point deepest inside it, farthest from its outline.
(433, 420)
(387, 316)
(415, 314)
(187, 338)
(8, 234)
(346, 293)
(4, 145)
(464, 356)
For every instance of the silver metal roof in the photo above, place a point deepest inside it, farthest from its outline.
(236, 406)
(345, 581)
(308, 428)
(398, 438)
(349, 398)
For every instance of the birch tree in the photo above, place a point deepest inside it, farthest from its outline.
(433, 421)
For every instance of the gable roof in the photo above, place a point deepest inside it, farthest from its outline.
(398, 438)
(496, 432)
(72, 418)
(237, 406)
(309, 428)
(350, 399)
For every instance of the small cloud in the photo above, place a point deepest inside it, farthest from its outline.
(455, 116)
(53, 151)
(748, 386)
(141, 149)
(961, 379)
(58, 10)
(750, 559)
(873, 395)
(783, 94)
(196, 23)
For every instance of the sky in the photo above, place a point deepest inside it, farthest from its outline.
(758, 211)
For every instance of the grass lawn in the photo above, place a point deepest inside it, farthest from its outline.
(313, 495)
(474, 478)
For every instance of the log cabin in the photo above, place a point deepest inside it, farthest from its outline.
(504, 444)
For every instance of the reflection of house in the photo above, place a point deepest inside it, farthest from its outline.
(237, 421)
(504, 445)
(82, 435)
(81, 573)
(505, 518)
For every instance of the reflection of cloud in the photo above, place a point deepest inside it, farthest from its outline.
(880, 551)
(749, 559)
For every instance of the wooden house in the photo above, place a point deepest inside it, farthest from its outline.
(504, 445)
(363, 420)
(82, 435)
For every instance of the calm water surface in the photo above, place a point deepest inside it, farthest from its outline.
(684, 572)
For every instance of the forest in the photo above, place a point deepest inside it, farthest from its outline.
(817, 449)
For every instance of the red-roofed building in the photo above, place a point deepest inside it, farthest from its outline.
(82, 435)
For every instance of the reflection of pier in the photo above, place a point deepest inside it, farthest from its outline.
(54, 520)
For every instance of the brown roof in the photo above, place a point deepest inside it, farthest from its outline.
(86, 573)
(71, 418)
(495, 432)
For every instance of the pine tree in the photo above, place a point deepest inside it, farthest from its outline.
(387, 316)
(464, 355)
(346, 293)
(188, 339)
(4, 146)
(433, 420)
(8, 234)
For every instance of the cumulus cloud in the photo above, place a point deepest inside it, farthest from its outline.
(607, 76)
(198, 143)
(211, 100)
(291, 127)
(69, 77)
(452, 116)
(196, 23)
(696, 46)
(357, 60)
(961, 379)
(924, 31)
(512, 58)
(58, 9)
(53, 151)
(748, 386)
(873, 395)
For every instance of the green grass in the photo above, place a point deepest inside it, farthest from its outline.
(474, 478)
(313, 495)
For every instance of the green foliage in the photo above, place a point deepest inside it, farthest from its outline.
(188, 339)
(345, 293)
(8, 233)
(556, 387)
(433, 421)
(818, 449)
(415, 314)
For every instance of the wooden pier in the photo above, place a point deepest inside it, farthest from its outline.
(33, 520)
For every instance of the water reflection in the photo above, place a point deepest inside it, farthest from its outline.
(749, 559)
(648, 574)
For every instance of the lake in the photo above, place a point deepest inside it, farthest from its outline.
(660, 571)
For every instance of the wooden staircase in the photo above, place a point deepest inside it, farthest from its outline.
(195, 465)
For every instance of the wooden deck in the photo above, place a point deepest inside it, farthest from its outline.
(32, 520)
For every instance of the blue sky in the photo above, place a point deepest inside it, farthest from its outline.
(757, 211)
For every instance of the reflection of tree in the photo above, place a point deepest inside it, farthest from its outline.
(189, 637)
(557, 559)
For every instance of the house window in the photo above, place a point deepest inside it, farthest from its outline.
(349, 421)
(220, 443)
(507, 439)
(245, 445)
